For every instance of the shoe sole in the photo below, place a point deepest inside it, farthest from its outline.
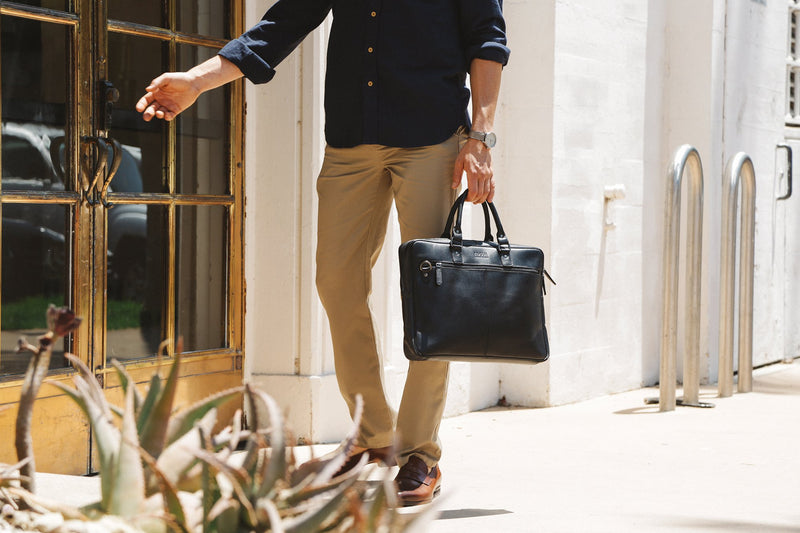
(412, 503)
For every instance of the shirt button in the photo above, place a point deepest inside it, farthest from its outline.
(369, 49)
(370, 84)
(373, 14)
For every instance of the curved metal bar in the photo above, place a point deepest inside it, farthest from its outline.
(789, 172)
(116, 159)
(685, 156)
(738, 170)
(93, 165)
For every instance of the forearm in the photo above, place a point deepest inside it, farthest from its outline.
(484, 76)
(213, 73)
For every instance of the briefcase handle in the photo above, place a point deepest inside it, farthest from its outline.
(452, 229)
(448, 225)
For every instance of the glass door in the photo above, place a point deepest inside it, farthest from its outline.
(137, 226)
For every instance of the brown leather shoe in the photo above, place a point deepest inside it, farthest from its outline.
(383, 455)
(416, 484)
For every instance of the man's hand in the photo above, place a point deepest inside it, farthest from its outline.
(173, 92)
(476, 160)
(167, 96)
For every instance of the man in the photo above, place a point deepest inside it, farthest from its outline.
(397, 129)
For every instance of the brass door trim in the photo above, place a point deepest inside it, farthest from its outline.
(167, 200)
(62, 375)
(66, 197)
(39, 13)
(164, 34)
(189, 362)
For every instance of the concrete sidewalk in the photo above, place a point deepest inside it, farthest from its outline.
(614, 464)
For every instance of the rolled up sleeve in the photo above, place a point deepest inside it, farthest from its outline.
(260, 49)
(484, 30)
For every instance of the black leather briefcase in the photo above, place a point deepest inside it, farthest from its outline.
(466, 300)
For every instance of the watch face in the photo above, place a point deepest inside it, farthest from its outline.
(490, 140)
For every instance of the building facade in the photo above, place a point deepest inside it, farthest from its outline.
(596, 99)
(205, 228)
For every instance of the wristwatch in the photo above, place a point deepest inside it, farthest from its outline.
(489, 139)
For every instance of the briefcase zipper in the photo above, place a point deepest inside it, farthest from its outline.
(426, 267)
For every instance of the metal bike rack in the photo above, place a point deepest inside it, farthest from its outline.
(788, 194)
(685, 156)
(738, 170)
(787, 356)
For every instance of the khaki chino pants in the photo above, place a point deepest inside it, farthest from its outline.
(356, 187)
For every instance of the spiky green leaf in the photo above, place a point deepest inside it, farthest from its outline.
(153, 392)
(107, 437)
(276, 467)
(126, 381)
(182, 422)
(128, 482)
(154, 431)
(310, 521)
(177, 459)
(172, 502)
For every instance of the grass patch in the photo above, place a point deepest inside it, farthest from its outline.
(29, 313)
(123, 314)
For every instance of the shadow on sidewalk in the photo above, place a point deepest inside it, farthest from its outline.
(471, 513)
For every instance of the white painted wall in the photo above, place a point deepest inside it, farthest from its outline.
(597, 94)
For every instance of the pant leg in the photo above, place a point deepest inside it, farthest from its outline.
(354, 203)
(421, 184)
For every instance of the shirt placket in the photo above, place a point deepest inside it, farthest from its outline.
(370, 81)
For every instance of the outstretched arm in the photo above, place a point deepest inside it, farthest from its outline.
(475, 158)
(173, 92)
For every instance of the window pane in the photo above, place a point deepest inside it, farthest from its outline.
(201, 267)
(202, 158)
(35, 91)
(204, 17)
(149, 12)
(133, 63)
(137, 274)
(60, 5)
(35, 273)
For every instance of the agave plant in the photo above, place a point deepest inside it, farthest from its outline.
(162, 470)
(263, 489)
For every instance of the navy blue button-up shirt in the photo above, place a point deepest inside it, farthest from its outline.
(396, 69)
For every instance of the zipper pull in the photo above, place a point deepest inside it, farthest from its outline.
(544, 288)
(438, 274)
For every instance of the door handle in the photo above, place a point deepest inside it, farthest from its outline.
(788, 149)
(96, 166)
(93, 162)
(116, 159)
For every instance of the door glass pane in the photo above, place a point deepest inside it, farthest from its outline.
(149, 12)
(202, 158)
(60, 5)
(204, 17)
(35, 273)
(137, 280)
(35, 90)
(133, 63)
(201, 268)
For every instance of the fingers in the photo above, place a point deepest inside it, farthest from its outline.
(476, 162)
(458, 172)
(481, 184)
(149, 105)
